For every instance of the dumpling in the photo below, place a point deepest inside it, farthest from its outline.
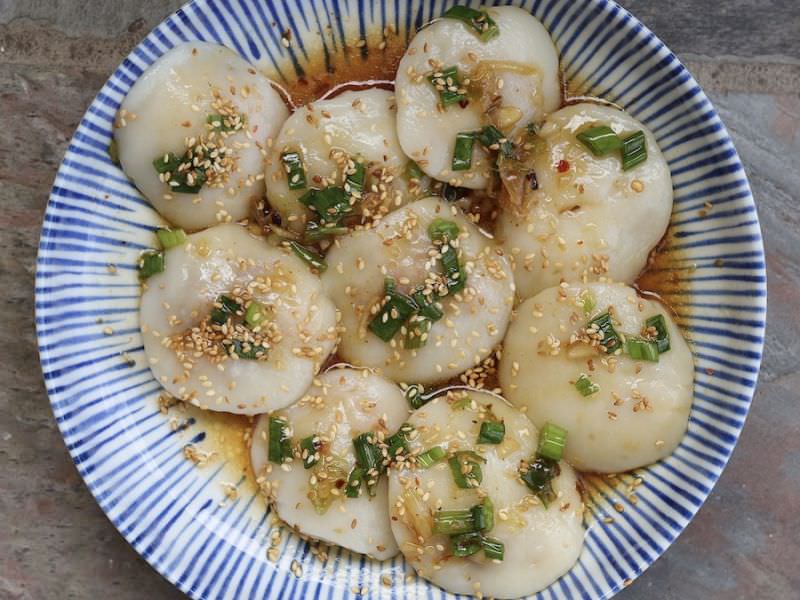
(199, 104)
(622, 410)
(540, 543)
(330, 138)
(587, 219)
(396, 261)
(508, 81)
(309, 491)
(205, 343)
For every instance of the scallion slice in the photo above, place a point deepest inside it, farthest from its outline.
(354, 481)
(479, 20)
(369, 458)
(586, 386)
(589, 302)
(245, 350)
(354, 182)
(280, 445)
(397, 442)
(634, 150)
(600, 140)
(641, 349)
(311, 258)
(659, 323)
(331, 204)
(315, 232)
(492, 138)
(151, 263)
(295, 172)
(453, 522)
(419, 325)
(448, 84)
(396, 310)
(466, 544)
(493, 549)
(462, 153)
(492, 432)
(413, 171)
(538, 476)
(483, 515)
(179, 179)
(430, 457)
(552, 440)
(610, 339)
(416, 396)
(170, 238)
(255, 313)
(466, 469)
(225, 307)
(444, 232)
(309, 450)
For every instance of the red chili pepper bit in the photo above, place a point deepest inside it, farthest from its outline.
(562, 166)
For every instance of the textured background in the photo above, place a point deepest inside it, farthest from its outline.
(55, 541)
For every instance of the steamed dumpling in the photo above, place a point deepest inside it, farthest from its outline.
(513, 80)
(342, 404)
(399, 248)
(588, 220)
(205, 364)
(638, 414)
(541, 543)
(205, 97)
(330, 136)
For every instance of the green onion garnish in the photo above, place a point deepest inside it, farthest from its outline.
(226, 309)
(586, 386)
(295, 173)
(641, 349)
(483, 515)
(245, 350)
(444, 232)
(255, 314)
(309, 450)
(397, 442)
(453, 522)
(634, 150)
(311, 258)
(491, 432)
(430, 457)
(589, 303)
(396, 310)
(493, 549)
(170, 238)
(315, 232)
(452, 193)
(658, 323)
(466, 469)
(610, 338)
(441, 230)
(179, 180)
(113, 151)
(413, 171)
(479, 20)
(448, 84)
(331, 204)
(354, 182)
(151, 263)
(600, 140)
(418, 326)
(416, 396)
(369, 458)
(493, 139)
(280, 446)
(466, 544)
(462, 153)
(354, 481)
(539, 478)
(552, 440)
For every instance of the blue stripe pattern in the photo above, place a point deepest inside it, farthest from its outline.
(131, 455)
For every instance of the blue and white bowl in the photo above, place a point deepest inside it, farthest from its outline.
(177, 516)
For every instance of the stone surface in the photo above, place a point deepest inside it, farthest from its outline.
(55, 541)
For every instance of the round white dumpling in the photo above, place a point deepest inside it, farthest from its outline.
(541, 544)
(399, 247)
(206, 98)
(201, 363)
(638, 414)
(513, 80)
(588, 220)
(342, 404)
(330, 136)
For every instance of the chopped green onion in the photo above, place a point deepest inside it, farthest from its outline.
(354, 481)
(331, 203)
(610, 338)
(445, 232)
(659, 323)
(493, 139)
(589, 303)
(413, 171)
(427, 306)
(113, 151)
(226, 309)
(420, 324)
(295, 172)
(466, 469)
(600, 140)
(170, 238)
(441, 230)
(483, 515)
(151, 263)
(255, 313)
(396, 310)
(315, 232)
(586, 386)
(552, 440)
(245, 350)
(466, 544)
(634, 150)
(280, 446)
(311, 258)
(309, 450)
(460, 402)
(397, 442)
(493, 549)
(217, 123)
(453, 522)
(452, 193)
(462, 153)
(416, 396)
(179, 179)
(354, 182)
(641, 349)
(479, 20)
(430, 457)
(448, 84)
(369, 458)
(539, 478)
(491, 432)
